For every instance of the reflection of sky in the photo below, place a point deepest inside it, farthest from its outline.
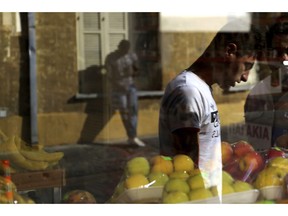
(179, 21)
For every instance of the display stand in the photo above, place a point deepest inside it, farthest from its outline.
(54, 179)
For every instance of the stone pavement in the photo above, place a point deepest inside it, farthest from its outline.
(96, 168)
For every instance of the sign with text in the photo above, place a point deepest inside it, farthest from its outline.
(256, 134)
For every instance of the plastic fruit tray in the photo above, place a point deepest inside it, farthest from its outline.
(141, 195)
(271, 192)
(244, 197)
(154, 195)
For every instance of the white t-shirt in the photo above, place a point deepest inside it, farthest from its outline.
(188, 102)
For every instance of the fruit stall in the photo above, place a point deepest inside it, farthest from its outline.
(248, 177)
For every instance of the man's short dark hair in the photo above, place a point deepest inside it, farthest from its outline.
(250, 40)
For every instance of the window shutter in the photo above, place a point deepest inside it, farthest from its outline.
(92, 39)
(98, 35)
(117, 28)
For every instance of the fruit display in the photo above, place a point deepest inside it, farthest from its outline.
(17, 198)
(265, 170)
(171, 180)
(193, 190)
(248, 176)
(143, 173)
(271, 180)
(24, 157)
(244, 161)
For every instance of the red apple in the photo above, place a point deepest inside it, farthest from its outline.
(251, 162)
(232, 167)
(275, 152)
(241, 148)
(227, 152)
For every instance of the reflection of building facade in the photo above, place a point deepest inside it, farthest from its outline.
(100, 33)
(70, 80)
(71, 84)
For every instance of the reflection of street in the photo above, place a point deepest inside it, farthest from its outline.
(99, 167)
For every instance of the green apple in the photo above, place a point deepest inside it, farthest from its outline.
(196, 182)
(179, 175)
(158, 178)
(239, 186)
(176, 185)
(227, 188)
(175, 197)
(200, 193)
(226, 177)
(138, 165)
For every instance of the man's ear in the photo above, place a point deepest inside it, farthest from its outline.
(231, 49)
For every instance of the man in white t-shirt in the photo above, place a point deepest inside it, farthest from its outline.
(189, 121)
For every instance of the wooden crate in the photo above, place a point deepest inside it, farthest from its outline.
(39, 179)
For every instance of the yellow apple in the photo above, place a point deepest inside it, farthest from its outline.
(176, 185)
(270, 176)
(200, 193)
(196, 182)
(162, 164)
(179, 174)
(136, 181)
(138, 165)
(183, 162)
(239, 186)
(175, 197)
(279, 162)
(195, 171)
(158, 178)
(159, 159)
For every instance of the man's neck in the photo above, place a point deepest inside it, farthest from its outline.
(204, 71)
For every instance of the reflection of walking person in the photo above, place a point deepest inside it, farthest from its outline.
(121, 66)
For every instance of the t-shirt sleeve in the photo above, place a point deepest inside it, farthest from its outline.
(185, 109)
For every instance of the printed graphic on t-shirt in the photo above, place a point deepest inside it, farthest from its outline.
(215, 122)
(215, 118)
